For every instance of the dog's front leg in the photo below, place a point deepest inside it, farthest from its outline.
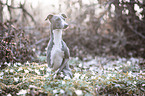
(65, 68)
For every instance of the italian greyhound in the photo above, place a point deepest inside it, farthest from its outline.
(57, 51)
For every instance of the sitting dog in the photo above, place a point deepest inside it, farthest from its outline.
(57, 51)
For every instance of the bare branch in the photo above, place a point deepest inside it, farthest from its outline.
(20, 7)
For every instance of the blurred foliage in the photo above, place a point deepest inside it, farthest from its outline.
(14, 45)
(99, 76)
(117, 30)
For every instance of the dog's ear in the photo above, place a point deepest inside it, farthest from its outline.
(63, 15)
(49, 17)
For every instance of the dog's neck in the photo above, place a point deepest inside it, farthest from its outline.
(56, 35)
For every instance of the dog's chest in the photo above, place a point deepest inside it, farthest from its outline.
(57, 54)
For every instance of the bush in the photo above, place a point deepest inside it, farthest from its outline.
(14, 45)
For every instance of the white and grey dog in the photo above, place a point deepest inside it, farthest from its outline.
(57, 51)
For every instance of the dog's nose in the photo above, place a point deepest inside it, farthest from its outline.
(65, 26)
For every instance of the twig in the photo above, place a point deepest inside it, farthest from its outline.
(25, 11)
(41, 40)
(20, 7)
(135, 31)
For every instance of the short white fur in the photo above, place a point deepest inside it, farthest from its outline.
(57, 54)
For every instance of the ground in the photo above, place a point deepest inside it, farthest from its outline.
(92, 76)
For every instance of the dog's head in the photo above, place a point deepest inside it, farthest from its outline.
(57, 21)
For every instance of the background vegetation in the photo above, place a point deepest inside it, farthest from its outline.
(105, 37)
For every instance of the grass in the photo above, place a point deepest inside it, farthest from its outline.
(99, 76)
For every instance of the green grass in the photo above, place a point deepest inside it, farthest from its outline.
(99, 76)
